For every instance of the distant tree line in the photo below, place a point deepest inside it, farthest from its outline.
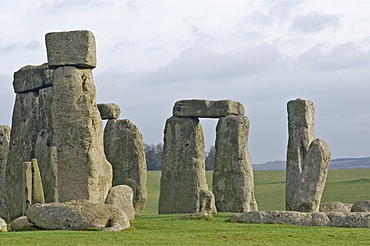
(154, 152)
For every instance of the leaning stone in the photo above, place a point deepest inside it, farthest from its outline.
(316, 165)
(32, 78)
(282, 217)
(3, 226)
(77, 215)
(207, 202)
(21, 148)
(75, 48)
(122, 197)
(233, 184)
(183, 167)
(334, 207)
(301, 133)
(27, 186)
(124, 148)
(37, 190)
(109, 111)
(20, 222)
(207, 108)
(83, 170)
(350, 220)
(4, 147)
(361, 206)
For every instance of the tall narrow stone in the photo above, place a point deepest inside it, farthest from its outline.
(124, 148)
(4, 147)
(301, 133)
(21, 148)
(316, 165)
(183, 167)
(37, 190)
(83, 170)
(26, 186)
(233, 184)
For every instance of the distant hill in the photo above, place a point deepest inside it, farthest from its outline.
(342, 163)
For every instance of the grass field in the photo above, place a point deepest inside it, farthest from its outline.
(153, 229)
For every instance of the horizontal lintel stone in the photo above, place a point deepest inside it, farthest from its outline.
(207, 108)
(31, 78)
(75, 48)
(109, 111)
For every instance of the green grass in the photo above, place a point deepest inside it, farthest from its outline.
(153, 229)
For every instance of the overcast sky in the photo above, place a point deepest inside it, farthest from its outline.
(152, 53)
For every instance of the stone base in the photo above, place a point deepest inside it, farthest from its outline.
(333, 219)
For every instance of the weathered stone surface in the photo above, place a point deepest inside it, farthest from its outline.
(233, 184)
(301, 133)
(21, 148)
(282, 217)
(20, 222)
(4, 147)
(183, 167)
(83, 170)
(334, 207)
(207, 108)
(207, 202)
(37, 190)
(109, 111)
(77, 215)
(3, 226)
(32, 78)
(27, 186)
(124, 148)
(76, 48)
(350, 220)
(316, 165)
(45, 151)
(122, 197)
(361, 206)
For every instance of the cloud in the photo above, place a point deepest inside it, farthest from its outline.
(199, 63)
(344, 56)
(314, 22)
(283, 9)
(20, 46)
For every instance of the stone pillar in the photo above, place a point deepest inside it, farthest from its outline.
(124, 148)
(301, 133)
(183, 167)
(233, 184)
(37, 190)
(83, 170)
(4, 147)
(21, 148)
(26, 186)
(315, 169)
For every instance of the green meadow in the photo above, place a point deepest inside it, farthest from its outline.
(152, 229)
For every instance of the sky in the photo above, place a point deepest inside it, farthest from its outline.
(262, 53)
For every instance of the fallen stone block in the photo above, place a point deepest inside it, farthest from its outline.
(361, 206)
(3, 226)
(350, 220)
(77, 215)
(20, 222)
(334, 207)
(122, 196)
(75, 48)
(32, 78)
(109, 111)
(207, 108)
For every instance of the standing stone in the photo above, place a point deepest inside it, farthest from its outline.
(27, 186)
(315, 169)
(45, 151)
(124, 148)
(4, 147)
(183, 168)
(122, 197)
(3, 226)
(83, 170)
(21, 148)
(233, 184)
(301, 133)
(207, 202)
(37, 190)
(75, 48)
